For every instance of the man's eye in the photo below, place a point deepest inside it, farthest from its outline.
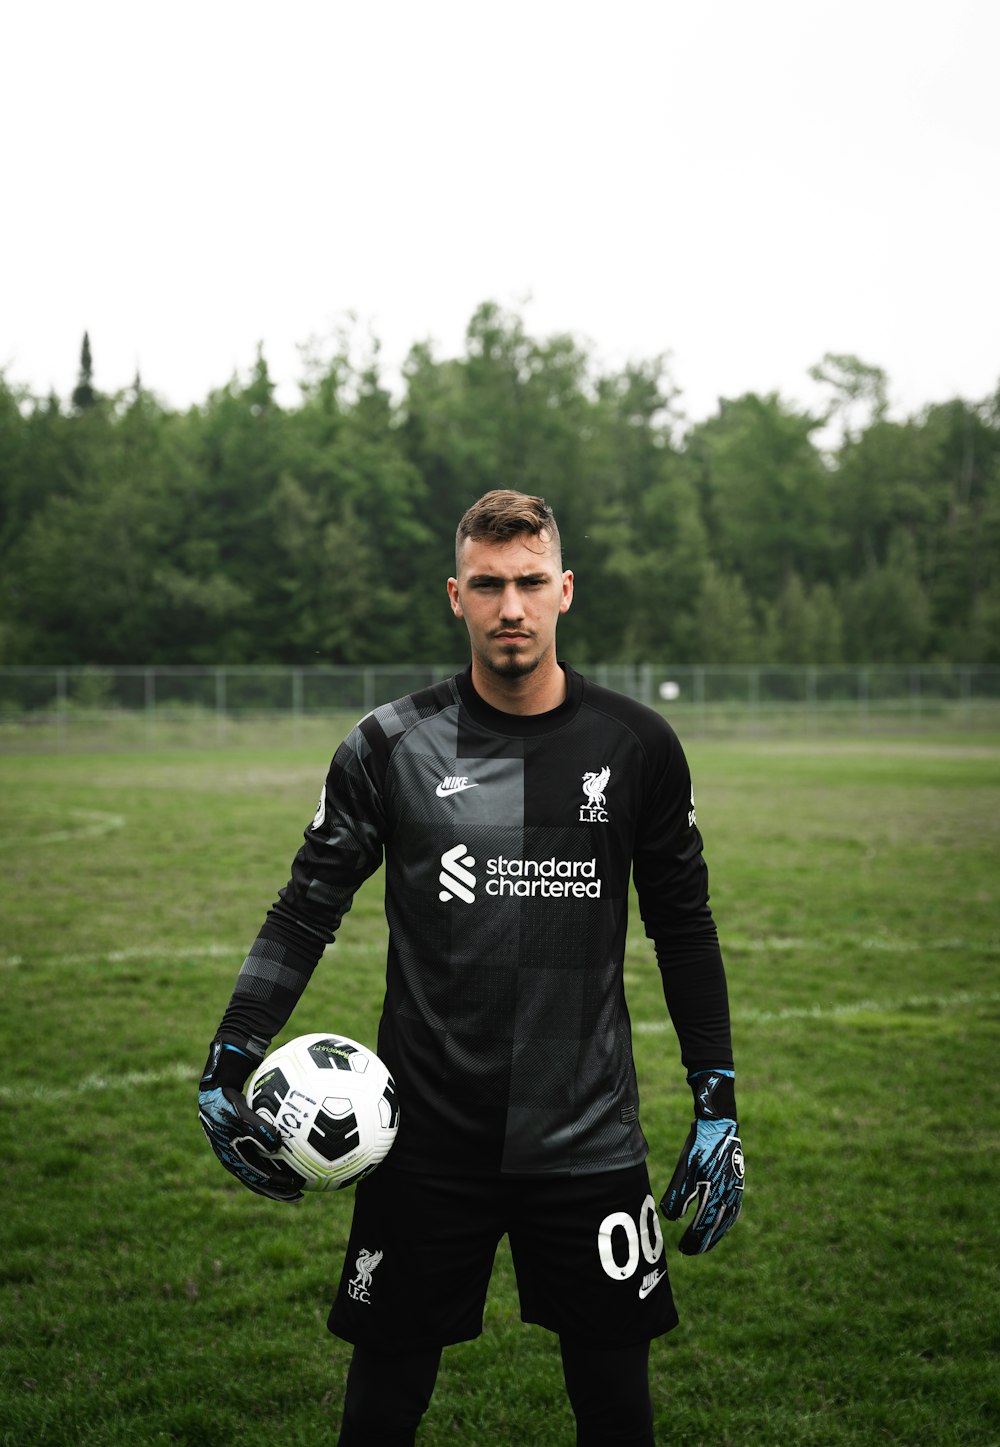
(494, 585)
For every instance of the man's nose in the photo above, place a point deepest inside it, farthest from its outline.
(511, 605)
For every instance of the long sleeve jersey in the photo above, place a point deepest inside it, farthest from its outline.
(508, 841)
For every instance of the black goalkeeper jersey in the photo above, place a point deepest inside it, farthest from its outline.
(508, 843)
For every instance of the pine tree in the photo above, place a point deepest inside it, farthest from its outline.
(84, 395)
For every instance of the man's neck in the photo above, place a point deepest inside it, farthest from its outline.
(536, 692)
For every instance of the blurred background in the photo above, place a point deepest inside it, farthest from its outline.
(283, 293)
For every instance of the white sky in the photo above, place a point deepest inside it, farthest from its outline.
(743, 186)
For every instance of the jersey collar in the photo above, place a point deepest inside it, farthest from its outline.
(521, 725)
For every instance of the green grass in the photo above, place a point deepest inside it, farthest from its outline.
(145, 1299)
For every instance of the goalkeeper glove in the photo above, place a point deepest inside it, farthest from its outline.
(710, 1169)
(242, 1140)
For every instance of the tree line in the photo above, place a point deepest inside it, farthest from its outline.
(242, 531)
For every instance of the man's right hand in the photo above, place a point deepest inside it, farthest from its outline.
(243, 1141)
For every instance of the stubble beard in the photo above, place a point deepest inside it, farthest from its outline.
(510, 664)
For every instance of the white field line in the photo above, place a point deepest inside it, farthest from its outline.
(956, 1000)
(148, 954)
(880, 944)
(152, 954)
(130, 1080)
(93, 822)
(187, 1071)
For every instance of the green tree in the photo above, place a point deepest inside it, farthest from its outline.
(927, 489)
(353, 506)
(803, 626)
(725, 627)
(859, 392)
(15, 465)
(765, 494)
(883, 485)
(84, 393)
(617, 512)
(960, 551)
(979, 641)
(242, 531)
(92, 576)
(886, 610)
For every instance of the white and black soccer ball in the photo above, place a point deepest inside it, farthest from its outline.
(334, 1104)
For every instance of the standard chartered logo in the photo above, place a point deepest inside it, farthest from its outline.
(455, 879)
(518, 878)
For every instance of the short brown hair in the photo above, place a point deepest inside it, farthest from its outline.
(502, 515)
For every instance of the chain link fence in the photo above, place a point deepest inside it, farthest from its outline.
(105, 707)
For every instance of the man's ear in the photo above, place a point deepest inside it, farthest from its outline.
(453, 598)
(567, 592)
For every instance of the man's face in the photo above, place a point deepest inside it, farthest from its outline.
(510, 596)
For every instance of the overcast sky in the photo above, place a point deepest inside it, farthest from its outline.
(742, 186)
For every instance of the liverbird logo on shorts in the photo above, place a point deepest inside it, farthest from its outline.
(364, 1266)
(594, 785)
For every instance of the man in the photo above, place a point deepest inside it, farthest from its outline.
(511, 802)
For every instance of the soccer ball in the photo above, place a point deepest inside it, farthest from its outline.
(334, 1103)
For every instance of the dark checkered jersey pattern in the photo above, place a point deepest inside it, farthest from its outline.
(508, 844)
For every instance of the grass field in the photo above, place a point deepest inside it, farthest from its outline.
(146, 1299)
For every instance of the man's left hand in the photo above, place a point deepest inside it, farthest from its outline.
(709, 1174)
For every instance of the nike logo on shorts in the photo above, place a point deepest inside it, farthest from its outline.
(649, 1283)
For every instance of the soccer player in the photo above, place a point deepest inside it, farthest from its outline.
(511, 804)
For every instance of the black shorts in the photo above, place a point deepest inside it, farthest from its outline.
(587, 1252)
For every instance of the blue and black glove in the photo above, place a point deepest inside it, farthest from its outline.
(710, 1170)
(242, 1140)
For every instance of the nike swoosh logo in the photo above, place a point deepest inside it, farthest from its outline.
(443, 790)
(645, 1289)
